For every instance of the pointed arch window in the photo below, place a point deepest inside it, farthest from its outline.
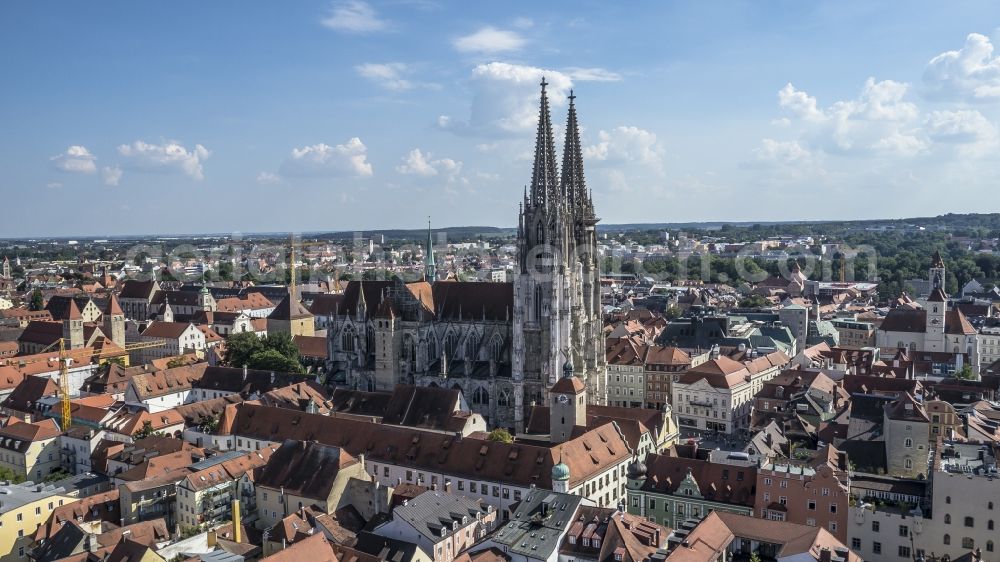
(347, 337)
(431, 346)
(370, 340)
(472, 347)
(480, 397)
(540, 234)
(409, 349)
(503, 399)
(496, 348)
(450, 344)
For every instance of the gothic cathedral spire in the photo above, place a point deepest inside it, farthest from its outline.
(544, 175)
(574, 188)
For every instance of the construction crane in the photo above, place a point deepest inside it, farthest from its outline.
(64, 388)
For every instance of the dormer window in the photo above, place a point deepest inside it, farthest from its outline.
(572, 539)
(586, 542)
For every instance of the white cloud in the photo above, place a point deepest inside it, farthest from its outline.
(781, 152)
(388, 75)
(395, 76)
(111, 175)
(799, 103)
(54, 185)
(961, 126)
(878, 120)
(167, 157)
(524, 23)
(489, 40)
(268, 178)
(593, 75)
(505, 99)
(971, 73)
(348, 159)
(77, 159)
(418, 163)
(627, 145)
(353, 16)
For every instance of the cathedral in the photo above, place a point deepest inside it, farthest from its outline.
(504, 345)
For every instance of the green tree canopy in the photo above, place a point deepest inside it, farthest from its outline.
(273, 352)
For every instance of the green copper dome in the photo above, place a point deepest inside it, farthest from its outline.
(560, 472)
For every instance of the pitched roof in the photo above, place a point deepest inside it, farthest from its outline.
(26, 395)
(305, 468)
(720, 373)
(63, 308)
(314, 548)
(112, 308)
(568, 385)
(289, 309)
(956, 323)
(311, 346)
(587, 454)
(432, 511)
(905, 320)
(717, 482)
(166, 330)
(667, 355)
(41, 332)
(135, 289)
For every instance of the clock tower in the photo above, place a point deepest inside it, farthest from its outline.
(567, 405)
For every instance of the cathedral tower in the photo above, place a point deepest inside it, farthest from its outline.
(556, 284)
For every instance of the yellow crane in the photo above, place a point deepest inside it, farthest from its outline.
(64, 388)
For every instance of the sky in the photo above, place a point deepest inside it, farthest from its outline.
(121, 117)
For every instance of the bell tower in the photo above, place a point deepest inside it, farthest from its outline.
(936, 274)
(567, 405)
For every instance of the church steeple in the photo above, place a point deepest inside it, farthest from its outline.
(544, 175)
(574, 188)
(430, 268)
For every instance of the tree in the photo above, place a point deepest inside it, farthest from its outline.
(274, 352)
(282, 343)
(754, 301)
(145, 431)
(273, 360)
(240, 347)
(500, 435)
(176, 362)
(10, 476)
(37, 301)
(965, 373)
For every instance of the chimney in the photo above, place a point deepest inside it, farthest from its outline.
(237, 525)
(825, 554)
(447, 486)
(213, 539)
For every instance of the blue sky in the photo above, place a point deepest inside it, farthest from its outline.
(181, 117)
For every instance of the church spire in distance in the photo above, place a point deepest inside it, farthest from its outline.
(544, 175)
(430, 267)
